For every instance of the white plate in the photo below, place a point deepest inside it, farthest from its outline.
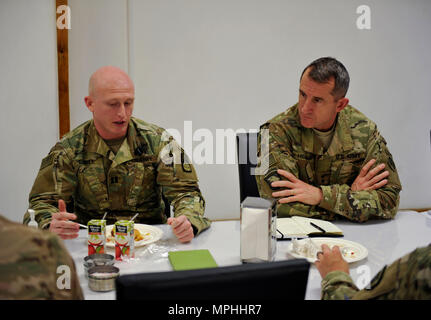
(354, 251)
(151, 234)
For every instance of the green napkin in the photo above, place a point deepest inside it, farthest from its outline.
(191, 259)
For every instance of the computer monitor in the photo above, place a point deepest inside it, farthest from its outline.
(261, 281)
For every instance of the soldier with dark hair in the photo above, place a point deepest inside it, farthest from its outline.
(408, 278)
(118, 164)
(326, 159)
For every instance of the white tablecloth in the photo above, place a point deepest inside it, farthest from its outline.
(386, 241)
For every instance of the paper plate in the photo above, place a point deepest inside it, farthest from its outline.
(352, 252)
(150, 233)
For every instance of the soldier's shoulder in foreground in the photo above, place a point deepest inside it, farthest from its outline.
(29, 261)
(408, 278)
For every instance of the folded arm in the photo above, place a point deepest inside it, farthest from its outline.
(336, 199)
(380, 201)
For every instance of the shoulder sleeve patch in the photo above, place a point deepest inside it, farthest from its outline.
(47, 161)
(185, 162)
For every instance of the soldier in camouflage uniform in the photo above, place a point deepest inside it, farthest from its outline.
(118, 164)
(408, 278)
(320, 154)
(29, 261)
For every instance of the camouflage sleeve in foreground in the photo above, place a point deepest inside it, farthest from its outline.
(408, 278)
(338, 285)
(338, 198)
(179, 183)
(29, 265)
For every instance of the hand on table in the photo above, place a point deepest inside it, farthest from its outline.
(330, 260)
(370, 179)
(296, 190)
(61, 225)
(182, 228)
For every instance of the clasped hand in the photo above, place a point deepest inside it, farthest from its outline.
(370, 179)
(297, 190)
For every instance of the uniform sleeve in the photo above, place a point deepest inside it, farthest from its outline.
(362, 205)
(275, 152)
(338, 285)
(72, 289)
(36, 265)
(337, 199)
(408, 278)
(55, 180)
(179, 182)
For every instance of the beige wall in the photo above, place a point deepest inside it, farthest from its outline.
(236, 63)
(28, 97)
(220, 64)
(98, 37)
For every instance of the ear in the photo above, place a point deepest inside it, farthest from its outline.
(89, 103)
(342, 103)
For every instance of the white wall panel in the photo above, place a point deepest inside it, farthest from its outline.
(28, 97)
(98, 37)
(236, 63)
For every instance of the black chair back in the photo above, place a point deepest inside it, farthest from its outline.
(247, 160)
(247, 282)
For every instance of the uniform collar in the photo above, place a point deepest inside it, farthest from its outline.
(343, 135)
(342, 139)
(96, 144)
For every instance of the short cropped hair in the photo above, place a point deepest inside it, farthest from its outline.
(323, 69)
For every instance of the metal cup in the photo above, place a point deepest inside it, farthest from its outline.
(102, 278)
(97, 259)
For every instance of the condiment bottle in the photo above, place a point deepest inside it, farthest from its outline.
(32, 222)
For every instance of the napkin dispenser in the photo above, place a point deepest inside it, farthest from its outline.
(258, 230)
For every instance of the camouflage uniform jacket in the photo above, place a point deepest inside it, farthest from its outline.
(356, 140)
(29, 261)
(83, 171)
(408, 278)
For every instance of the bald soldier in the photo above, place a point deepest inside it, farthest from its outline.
(118, 164)
(35, 265)
(324, 158)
